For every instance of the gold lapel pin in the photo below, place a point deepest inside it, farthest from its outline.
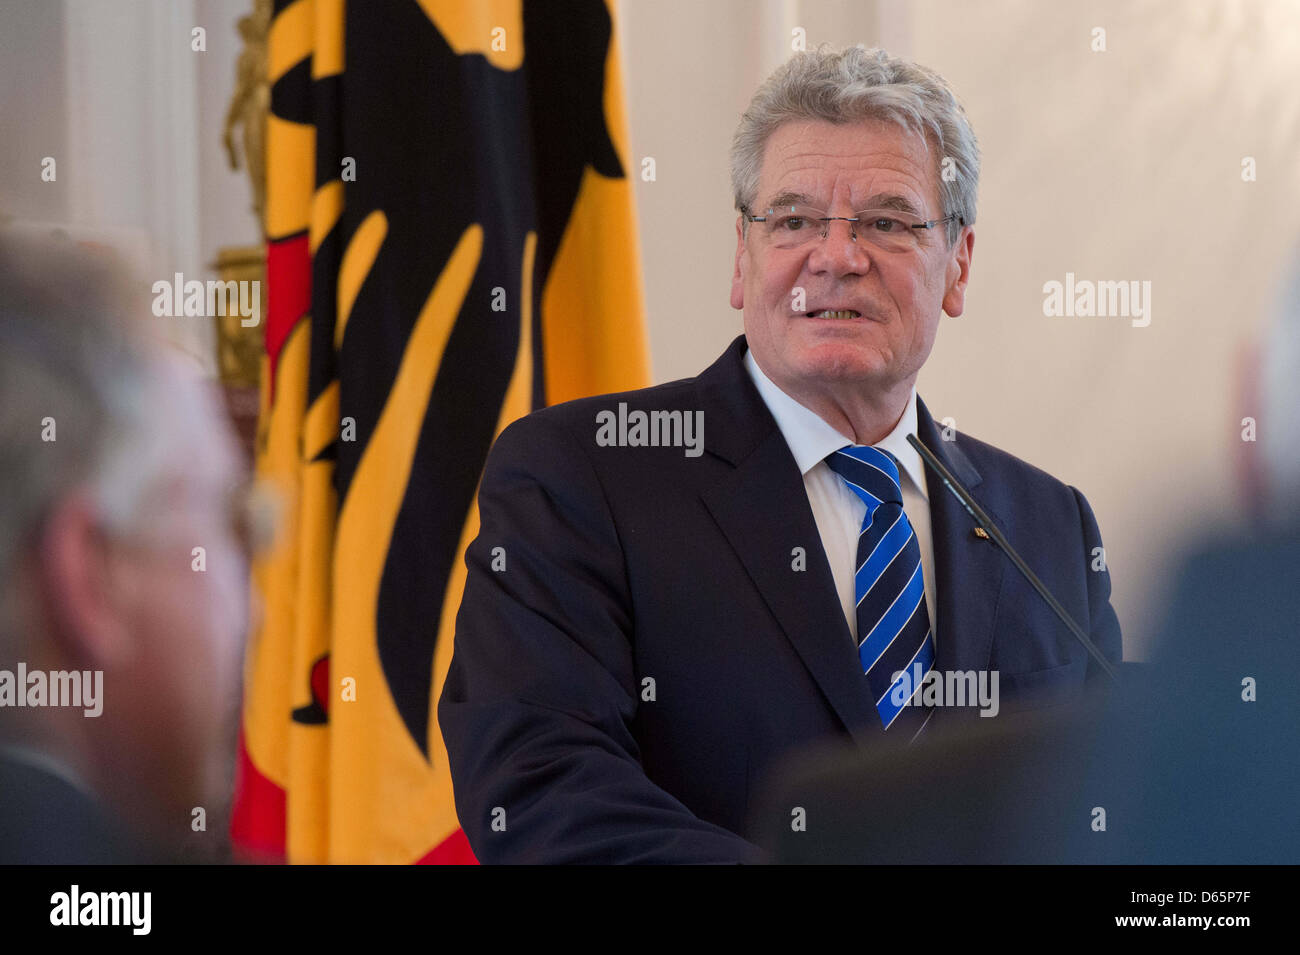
(981, 533)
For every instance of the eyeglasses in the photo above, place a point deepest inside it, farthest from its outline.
(792, 227)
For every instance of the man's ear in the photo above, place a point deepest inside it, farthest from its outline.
(75, 586)
(958, 273)
(738, 274)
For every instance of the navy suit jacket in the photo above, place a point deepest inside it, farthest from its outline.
(636, 649)
(45, 820)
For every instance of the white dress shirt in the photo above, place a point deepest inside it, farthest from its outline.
(838, 511)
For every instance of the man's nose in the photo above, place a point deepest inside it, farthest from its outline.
(839, 253)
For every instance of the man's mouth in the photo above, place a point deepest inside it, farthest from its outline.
(837, 313)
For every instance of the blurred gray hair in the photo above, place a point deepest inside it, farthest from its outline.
(846, 86)
(69, 352)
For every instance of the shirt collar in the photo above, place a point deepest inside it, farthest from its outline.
(811, 439)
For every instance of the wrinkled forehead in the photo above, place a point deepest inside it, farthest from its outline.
(868, 164)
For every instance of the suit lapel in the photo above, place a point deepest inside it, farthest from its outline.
(762, 509)
(968, 570)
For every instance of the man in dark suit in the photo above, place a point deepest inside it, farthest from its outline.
(673, 588)
(122, 580)
(49, 816)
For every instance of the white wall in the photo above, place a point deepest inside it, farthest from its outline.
(1117, 165)
(132, 115)
(32, 124)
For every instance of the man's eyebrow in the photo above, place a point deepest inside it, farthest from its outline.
(881, 200)
(789, 199)
(886, 200)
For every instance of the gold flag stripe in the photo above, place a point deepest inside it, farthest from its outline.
(321, 426)
(289, 39)
(491, 28)
(288, 198)
(374, 762)
(270, 676)
(327, 57)
(326, 207)
(354, 268)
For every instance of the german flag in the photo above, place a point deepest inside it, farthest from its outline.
(451, 244)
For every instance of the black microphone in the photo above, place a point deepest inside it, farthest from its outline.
(984, 521)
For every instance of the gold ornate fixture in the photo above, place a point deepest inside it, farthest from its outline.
(239, 348)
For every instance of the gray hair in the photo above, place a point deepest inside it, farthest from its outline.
(845, 86)
(79, 396)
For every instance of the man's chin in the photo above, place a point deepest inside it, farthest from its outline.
(843, 362)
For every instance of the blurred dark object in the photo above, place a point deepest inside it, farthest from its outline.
(1187, 768)
(46, 819)
(1212, 778)
(999, 790)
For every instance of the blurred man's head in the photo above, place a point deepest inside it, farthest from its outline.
(115, 465)
(838, 134)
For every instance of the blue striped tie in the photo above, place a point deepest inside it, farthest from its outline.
(893, 622)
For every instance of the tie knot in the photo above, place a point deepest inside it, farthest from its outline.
(871, 473)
